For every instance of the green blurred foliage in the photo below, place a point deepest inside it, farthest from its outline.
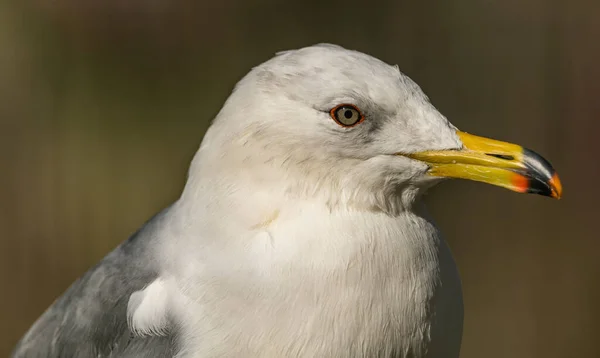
(103, 104)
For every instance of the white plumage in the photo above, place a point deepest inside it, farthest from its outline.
(295, 236)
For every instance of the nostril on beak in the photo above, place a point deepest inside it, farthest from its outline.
(501, 156)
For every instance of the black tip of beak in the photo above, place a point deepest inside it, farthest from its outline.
(543, 179)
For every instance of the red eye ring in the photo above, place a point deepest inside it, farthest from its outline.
(347, 115)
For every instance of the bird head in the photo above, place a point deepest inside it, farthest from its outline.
(326, 121)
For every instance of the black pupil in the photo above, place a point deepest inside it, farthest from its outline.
(348, 114)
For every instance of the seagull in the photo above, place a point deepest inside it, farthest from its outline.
(300, 231)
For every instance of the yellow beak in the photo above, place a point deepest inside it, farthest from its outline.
(494, 162)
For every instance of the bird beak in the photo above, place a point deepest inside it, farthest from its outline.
(494, 162)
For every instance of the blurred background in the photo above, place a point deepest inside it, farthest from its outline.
(103, 104)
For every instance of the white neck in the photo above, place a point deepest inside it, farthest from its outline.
(264, 259)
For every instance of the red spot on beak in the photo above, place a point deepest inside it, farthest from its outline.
(520, 183)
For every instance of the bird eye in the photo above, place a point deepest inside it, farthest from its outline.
(347, 115)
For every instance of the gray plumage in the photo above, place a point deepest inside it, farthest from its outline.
(90, 318)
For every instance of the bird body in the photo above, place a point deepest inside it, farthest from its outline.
(300, 231)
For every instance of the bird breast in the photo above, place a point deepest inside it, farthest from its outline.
(312, 282)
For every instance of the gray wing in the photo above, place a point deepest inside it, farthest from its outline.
(90, 318)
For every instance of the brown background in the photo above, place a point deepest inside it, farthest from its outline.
(103, 104)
